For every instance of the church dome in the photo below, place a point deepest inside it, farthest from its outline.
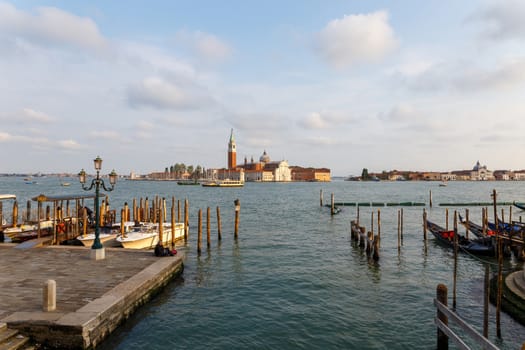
(265, 158)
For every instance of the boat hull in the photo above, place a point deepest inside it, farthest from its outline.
(148, 238)
(107, 239)
(478, 246)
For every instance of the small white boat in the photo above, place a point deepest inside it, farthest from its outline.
(147, 236)
(224, 183)
(11, 232)
(107, 239)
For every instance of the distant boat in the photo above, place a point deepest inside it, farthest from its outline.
(224, 183)
(188, 182)
(443, 184)
(65, 183)
(29, 180)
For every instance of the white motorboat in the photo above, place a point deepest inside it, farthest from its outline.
(146, 236)
(11, 232)
(224, 183)
(107, 239)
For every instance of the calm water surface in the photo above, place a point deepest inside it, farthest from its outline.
(294, 280)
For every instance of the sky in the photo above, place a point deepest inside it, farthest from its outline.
(346, 85)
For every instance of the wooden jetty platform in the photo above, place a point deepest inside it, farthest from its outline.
(93, 297)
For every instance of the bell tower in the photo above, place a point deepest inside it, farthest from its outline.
(232, 152)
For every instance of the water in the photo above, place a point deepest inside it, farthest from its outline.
(293, 279)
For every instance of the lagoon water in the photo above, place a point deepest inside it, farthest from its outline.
(294, 280)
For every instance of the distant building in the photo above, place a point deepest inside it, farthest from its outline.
(519, 175)
(448, 176)
(481, 173)
(503, 175)
(232, 152)
(266, 171)
(310, 174)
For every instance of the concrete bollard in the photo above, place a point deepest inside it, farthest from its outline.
(50, 296)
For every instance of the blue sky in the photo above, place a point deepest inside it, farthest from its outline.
(407, 85)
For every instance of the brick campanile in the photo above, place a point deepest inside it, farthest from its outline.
(232, 153)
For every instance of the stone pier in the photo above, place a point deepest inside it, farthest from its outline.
(93, 297)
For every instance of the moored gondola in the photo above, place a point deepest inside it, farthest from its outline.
(519, 205)
(475, 228)
(478, 246)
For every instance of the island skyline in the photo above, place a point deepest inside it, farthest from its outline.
(339, 85)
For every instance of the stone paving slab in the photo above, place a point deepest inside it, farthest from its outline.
(93, 296)
(79, 279)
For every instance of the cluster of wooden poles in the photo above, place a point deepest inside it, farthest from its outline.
(372, 240)
(208, 226)
(372, 243)
(141, 211)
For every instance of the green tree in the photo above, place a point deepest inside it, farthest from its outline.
(364, 174)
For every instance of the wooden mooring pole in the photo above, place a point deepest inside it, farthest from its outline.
(172, 225)
(402, 224)
(486, 296)
(442, 297)
(430, 199)
(219, 233)
(199, 232)
(424, 225)
(208, 228)
(28, 210)
(455, 259)
(500, 274)
(332, 204)
(186, 220)
(467, 223)
(237, 203)
(399, 230)
(372, 223)
(321, 198)
(378, 229)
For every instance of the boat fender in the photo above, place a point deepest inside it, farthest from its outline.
(61, 228)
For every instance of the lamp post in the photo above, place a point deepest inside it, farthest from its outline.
(97, 249)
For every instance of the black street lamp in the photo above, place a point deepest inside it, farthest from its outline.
(97, 182)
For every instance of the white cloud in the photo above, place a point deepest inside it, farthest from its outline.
(51, 26)
(502, 19)
(467, 76)
(324, 120)
(31, 115)
(314, 121)
(205, 45)
(162, 94)
(324, 141)
(70, 145)
(400, 113)
(106, 135)
(145, 125)
(356, 38)
(4, 136)
(26, 140)
(506, 75)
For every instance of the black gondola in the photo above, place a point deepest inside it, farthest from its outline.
(476, 229)
(519, 205)
(478, 246)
